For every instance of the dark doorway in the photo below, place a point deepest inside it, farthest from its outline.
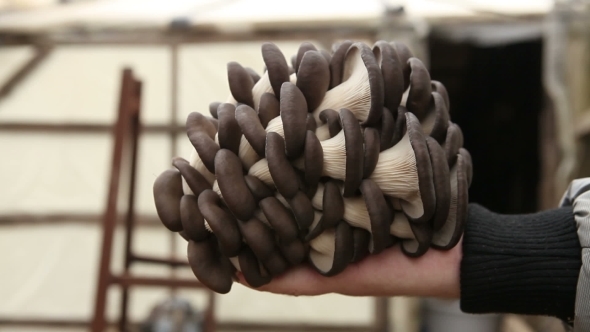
(496, 97)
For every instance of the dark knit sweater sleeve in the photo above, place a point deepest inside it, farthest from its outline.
(523, 264)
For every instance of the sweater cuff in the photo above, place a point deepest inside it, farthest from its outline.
(522, 264)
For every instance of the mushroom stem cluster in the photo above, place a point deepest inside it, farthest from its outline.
(324, 161)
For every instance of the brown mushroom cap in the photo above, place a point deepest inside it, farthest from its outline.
(450, 233)
(441, 118)
(281, 219)
(222, 223)
(372, 149)
(354, 152)
(251, 127)
(268, 109)
(468, 165)
(361, 239)
(337, 63)
(167, 194)
(281, 171)
(404, 55)
(313, 78)
(453, 142)
(302, 210)
(328, 58)
(400, 125)
(310, 123)
(253, 272)
(442, 183)
(332, 208)
(276, 66)
(210, 266)
(236, 194)
(294, 116)
(424, 168)
(392, 71)
(303, 48)
(258, 189)
(229, 133)
(332, 119)
(374, 77)
(314, 162)
(193, 224)
(253, 74)
(419, 95)
(386, 130)
(240, 83)
(294, 251)
(213, 109)
(440, 88)
(197, 122)
(195, 180)
(258, 237)
(418, 246)
(380, 215)
(206, 148)
(341, 247)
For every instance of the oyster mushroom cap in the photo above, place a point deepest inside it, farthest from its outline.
(197, 163)
(331, 121)
(193, 223)
(332, 250)
(436, 122)
(236, 194)
(283, 174)
(259, 238)
(313, 162)
(416, 238)
(361, 90)
(450, 233)
(380, 216)
(404, 55)
(468, 165)
(261, 88)
(254, 273)
(453, 142)
(372, 149)
(276, 65)
(258, 189)
(194, 179)
(354, 152)
(313, 78)
(419, 95)
(210, 267)
(250, 126)
(197, 123)
(440, 88)
(337, 63)
(442, 183)
(280, 219)
(332, 207)
(206, 147)
(400, 125)
(221, 222)
(255, 76)
(213, 109)
(361, 239)
(386, 130)
(229, 134)
(294, 251)
(240, 83)
(268, 108)
(392, 70)
(168, 192)
(303, 48)
(294, 114)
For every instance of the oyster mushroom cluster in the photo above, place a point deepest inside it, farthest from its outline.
(335, 157)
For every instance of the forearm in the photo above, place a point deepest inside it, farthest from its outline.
(526, 264)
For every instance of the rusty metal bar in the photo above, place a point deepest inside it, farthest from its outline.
(61, 218)
(41, 53)
(128, 280)
(158, 260)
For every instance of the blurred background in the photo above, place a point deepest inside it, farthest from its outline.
(518, 75)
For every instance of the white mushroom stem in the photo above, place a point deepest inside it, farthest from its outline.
(400, 227)
(236, 263)
(397, 176)
(261, 87)
(323, 132)
(322, 250)
(293, 78)
(260, 171)
(216, 189)
(428, 123)
(334, 157)
(283, 200)
(317, 201)
(354, 93)
(356, 213)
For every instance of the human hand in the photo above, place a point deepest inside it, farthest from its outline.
(390, 273)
